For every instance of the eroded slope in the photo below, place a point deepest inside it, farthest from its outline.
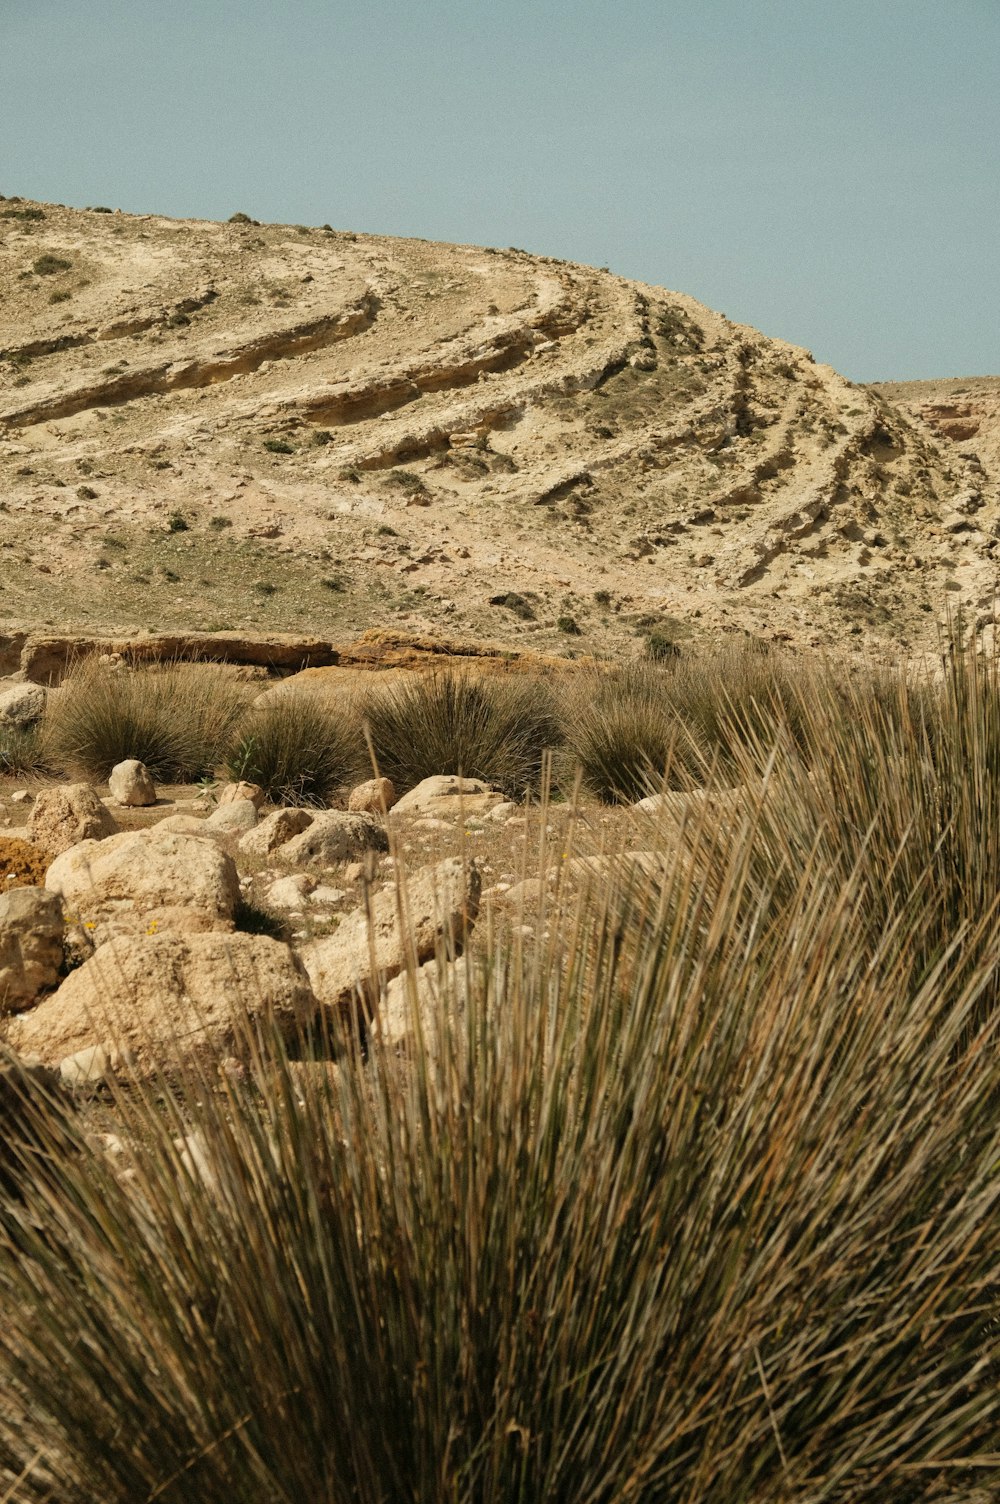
(219, 426)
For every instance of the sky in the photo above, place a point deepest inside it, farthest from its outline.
(826, 170)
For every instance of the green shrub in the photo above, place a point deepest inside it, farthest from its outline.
(278, 446)
(177, 720)
(298, 750)
(177, 523)
(48, 266)
(568, 624)
(496, 729)
(660, 645)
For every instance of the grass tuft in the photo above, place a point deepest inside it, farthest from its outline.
(496, 729)
(177, 720)
(297, 750)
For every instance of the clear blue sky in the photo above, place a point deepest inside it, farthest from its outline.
(828, 170)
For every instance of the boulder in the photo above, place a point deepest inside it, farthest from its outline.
(333, 836)
(290, 892)
(169, 1000)
(145, 875)
(426, 796)
(274, 830)
(63, 816)
(131, 784)
(31, 946)
(21, 704)
(184, 825)
(373, 797)
(238, 815)
(241, 790)
(412, 1004)
(434, 910)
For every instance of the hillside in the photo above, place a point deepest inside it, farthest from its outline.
(234, 426)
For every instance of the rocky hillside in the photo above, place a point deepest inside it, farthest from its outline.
(280, 428)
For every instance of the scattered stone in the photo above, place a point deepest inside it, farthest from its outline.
(141, 876)
(373, 797)
(237, 815)
(184, 825)
(335, 836)
(425, 796)
(20, 796)
(67, 814)
(325, 894)
(31, 946)
(233, 791)
(501, 812)
(412, 1003)
(87, 1067)
(171, 1000)
(21, 705)
(131, 784)
(436, 908)
(274, 830)
(289, 892)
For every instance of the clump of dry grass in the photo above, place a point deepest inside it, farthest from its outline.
(299, 750)
(691, 1197)
(177, 720)
(497, 729)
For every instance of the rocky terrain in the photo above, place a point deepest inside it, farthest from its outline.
(260, 428)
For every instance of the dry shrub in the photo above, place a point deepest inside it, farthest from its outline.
(298, 749)
(177, 720)
(692, 1198)
(496, 728)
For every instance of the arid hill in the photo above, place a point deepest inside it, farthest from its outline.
(241, 426)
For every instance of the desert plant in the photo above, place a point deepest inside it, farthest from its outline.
(622, 731)
(278, 446)
(298, 749)
(177, 523)
(496, 729)
(49, 266)
(680, 1204)
(177, 719)
(22, 751)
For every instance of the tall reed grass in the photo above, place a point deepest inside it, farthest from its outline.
(690, 1198)
(175, 719)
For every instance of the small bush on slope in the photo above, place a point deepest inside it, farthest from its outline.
(496, 729)
(177, 720)
(297, 749)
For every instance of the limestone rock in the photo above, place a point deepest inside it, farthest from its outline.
(274, 830)
(436, 908)
(238, 815)
(252, 791)
(131, 784)
(143, 873)
(31, 946)
(425, 796)
(169, 1000)
(87, 1067)
(21, 704)
(372, 797)
(184, 825)
(290, 892)
(67, 814)
(412, 1003)
(335, 836)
